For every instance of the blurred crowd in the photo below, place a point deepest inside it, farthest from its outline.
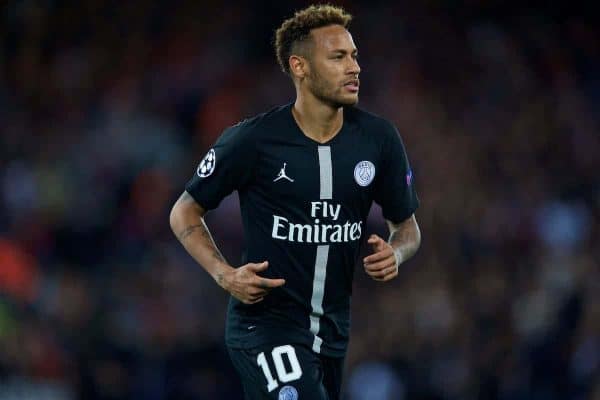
(106, 107)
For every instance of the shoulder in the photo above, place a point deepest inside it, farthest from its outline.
(252, 127)
(374, 124)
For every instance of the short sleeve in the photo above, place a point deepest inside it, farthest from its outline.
(226, 167)
(395, 186)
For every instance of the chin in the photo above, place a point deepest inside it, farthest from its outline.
(345, 101)
(350, 102)
(341, 101)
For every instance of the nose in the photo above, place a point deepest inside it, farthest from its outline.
(354, 68)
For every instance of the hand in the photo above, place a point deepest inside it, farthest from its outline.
(382, 264)
(244, 284)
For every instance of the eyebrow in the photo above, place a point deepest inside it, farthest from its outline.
(344, 51)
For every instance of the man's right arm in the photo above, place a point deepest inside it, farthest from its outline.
(187, 222)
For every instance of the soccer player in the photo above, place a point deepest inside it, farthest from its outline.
(307, 173)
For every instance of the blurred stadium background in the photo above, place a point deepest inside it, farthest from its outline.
(107, 106)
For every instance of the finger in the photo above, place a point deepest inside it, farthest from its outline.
(254, 300)
(377, 243)
(257, 267)
(385, 275)
(384, 264)
(265, 283)
(255, 291)
(391, 276)
(381, 260)
(254, 295)
(372, 238)
(388, 269)
(378, 256)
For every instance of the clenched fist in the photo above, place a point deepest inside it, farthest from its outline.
(382, 265)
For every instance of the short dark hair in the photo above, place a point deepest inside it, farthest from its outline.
(295, 31)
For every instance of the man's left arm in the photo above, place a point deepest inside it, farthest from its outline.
(404, 240)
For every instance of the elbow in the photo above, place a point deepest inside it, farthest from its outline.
(417, 238)
(414, 234)
(177, 214)
(176, 217)
(173, 217)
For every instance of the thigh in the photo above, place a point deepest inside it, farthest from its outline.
(288, 372)
(333, 370)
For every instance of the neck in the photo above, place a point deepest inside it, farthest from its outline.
(317, 120)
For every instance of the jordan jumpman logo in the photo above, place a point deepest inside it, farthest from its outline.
(282, 175)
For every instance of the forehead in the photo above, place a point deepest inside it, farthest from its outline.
(331, 38)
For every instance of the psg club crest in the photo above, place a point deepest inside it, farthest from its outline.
(288, 393)
(364, 173)
(207, 165)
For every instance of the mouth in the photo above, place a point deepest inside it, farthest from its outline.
(352, 85)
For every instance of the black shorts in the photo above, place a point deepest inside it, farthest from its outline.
(289, 372)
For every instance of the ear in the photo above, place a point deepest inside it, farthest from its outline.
(298, 66)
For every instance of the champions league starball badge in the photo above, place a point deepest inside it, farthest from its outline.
(207, 165)
(364, 173)
(288, 393)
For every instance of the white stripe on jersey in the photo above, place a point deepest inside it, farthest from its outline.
(325, 172)
(316, 302)
(318, 293)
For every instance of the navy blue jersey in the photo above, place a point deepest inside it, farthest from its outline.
(303, 207)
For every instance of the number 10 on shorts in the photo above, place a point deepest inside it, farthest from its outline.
(283, 374)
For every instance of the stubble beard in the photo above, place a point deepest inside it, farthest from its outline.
(326, 92)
